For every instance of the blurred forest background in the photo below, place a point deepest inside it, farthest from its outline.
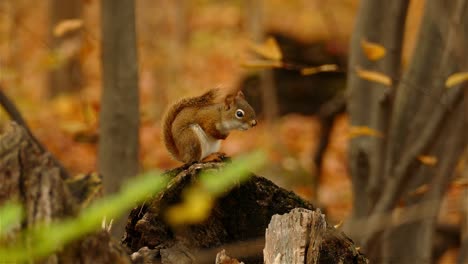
(50, 66)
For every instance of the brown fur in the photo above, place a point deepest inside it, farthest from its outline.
(205, 99)
(178, 135)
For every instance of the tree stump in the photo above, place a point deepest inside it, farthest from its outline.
(303, 237)
(239, 217)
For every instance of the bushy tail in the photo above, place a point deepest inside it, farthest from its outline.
(198, 101)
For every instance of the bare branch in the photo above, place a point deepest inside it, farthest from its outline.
(368, 101)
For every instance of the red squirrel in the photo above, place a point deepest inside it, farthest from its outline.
(194, 127)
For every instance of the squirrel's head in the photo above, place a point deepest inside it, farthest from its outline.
(237, 113)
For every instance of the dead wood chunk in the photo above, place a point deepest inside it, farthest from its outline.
(287, 237)
(242, 214)
(98, 247)
(145, 256)
(177, 254)
(303, 237)
(222, 258)
(85, 188)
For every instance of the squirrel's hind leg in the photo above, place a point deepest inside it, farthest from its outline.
(189, 146)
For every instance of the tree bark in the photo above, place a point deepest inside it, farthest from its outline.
(119, 118)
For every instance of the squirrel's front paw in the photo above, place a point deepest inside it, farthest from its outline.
(215, 157)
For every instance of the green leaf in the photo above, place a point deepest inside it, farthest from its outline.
(10, 215)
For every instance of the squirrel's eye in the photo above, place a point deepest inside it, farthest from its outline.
(239, 113)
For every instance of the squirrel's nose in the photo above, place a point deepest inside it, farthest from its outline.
(253, 122)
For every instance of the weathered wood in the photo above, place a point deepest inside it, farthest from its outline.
(29, 175)
(303, 236)
(223, 258)
(287, 237)
(177, 254)
(145, 256)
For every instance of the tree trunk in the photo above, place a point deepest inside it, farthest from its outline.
(66, 75)
(416, 116)
(119, 119)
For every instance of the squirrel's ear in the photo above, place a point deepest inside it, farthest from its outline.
(228, 101)
(240, 94)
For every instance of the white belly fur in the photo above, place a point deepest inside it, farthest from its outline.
(208, 143)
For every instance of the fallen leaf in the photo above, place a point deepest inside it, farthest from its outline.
(427, 160)
(420, 190)
(374, 76)
(262, 64)
(456, 78)
(373, 51)
(462, 183)
(321, 68)
(337, 226)
(73, 126)
(269, 49)
(66, 26)
(357, 131)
